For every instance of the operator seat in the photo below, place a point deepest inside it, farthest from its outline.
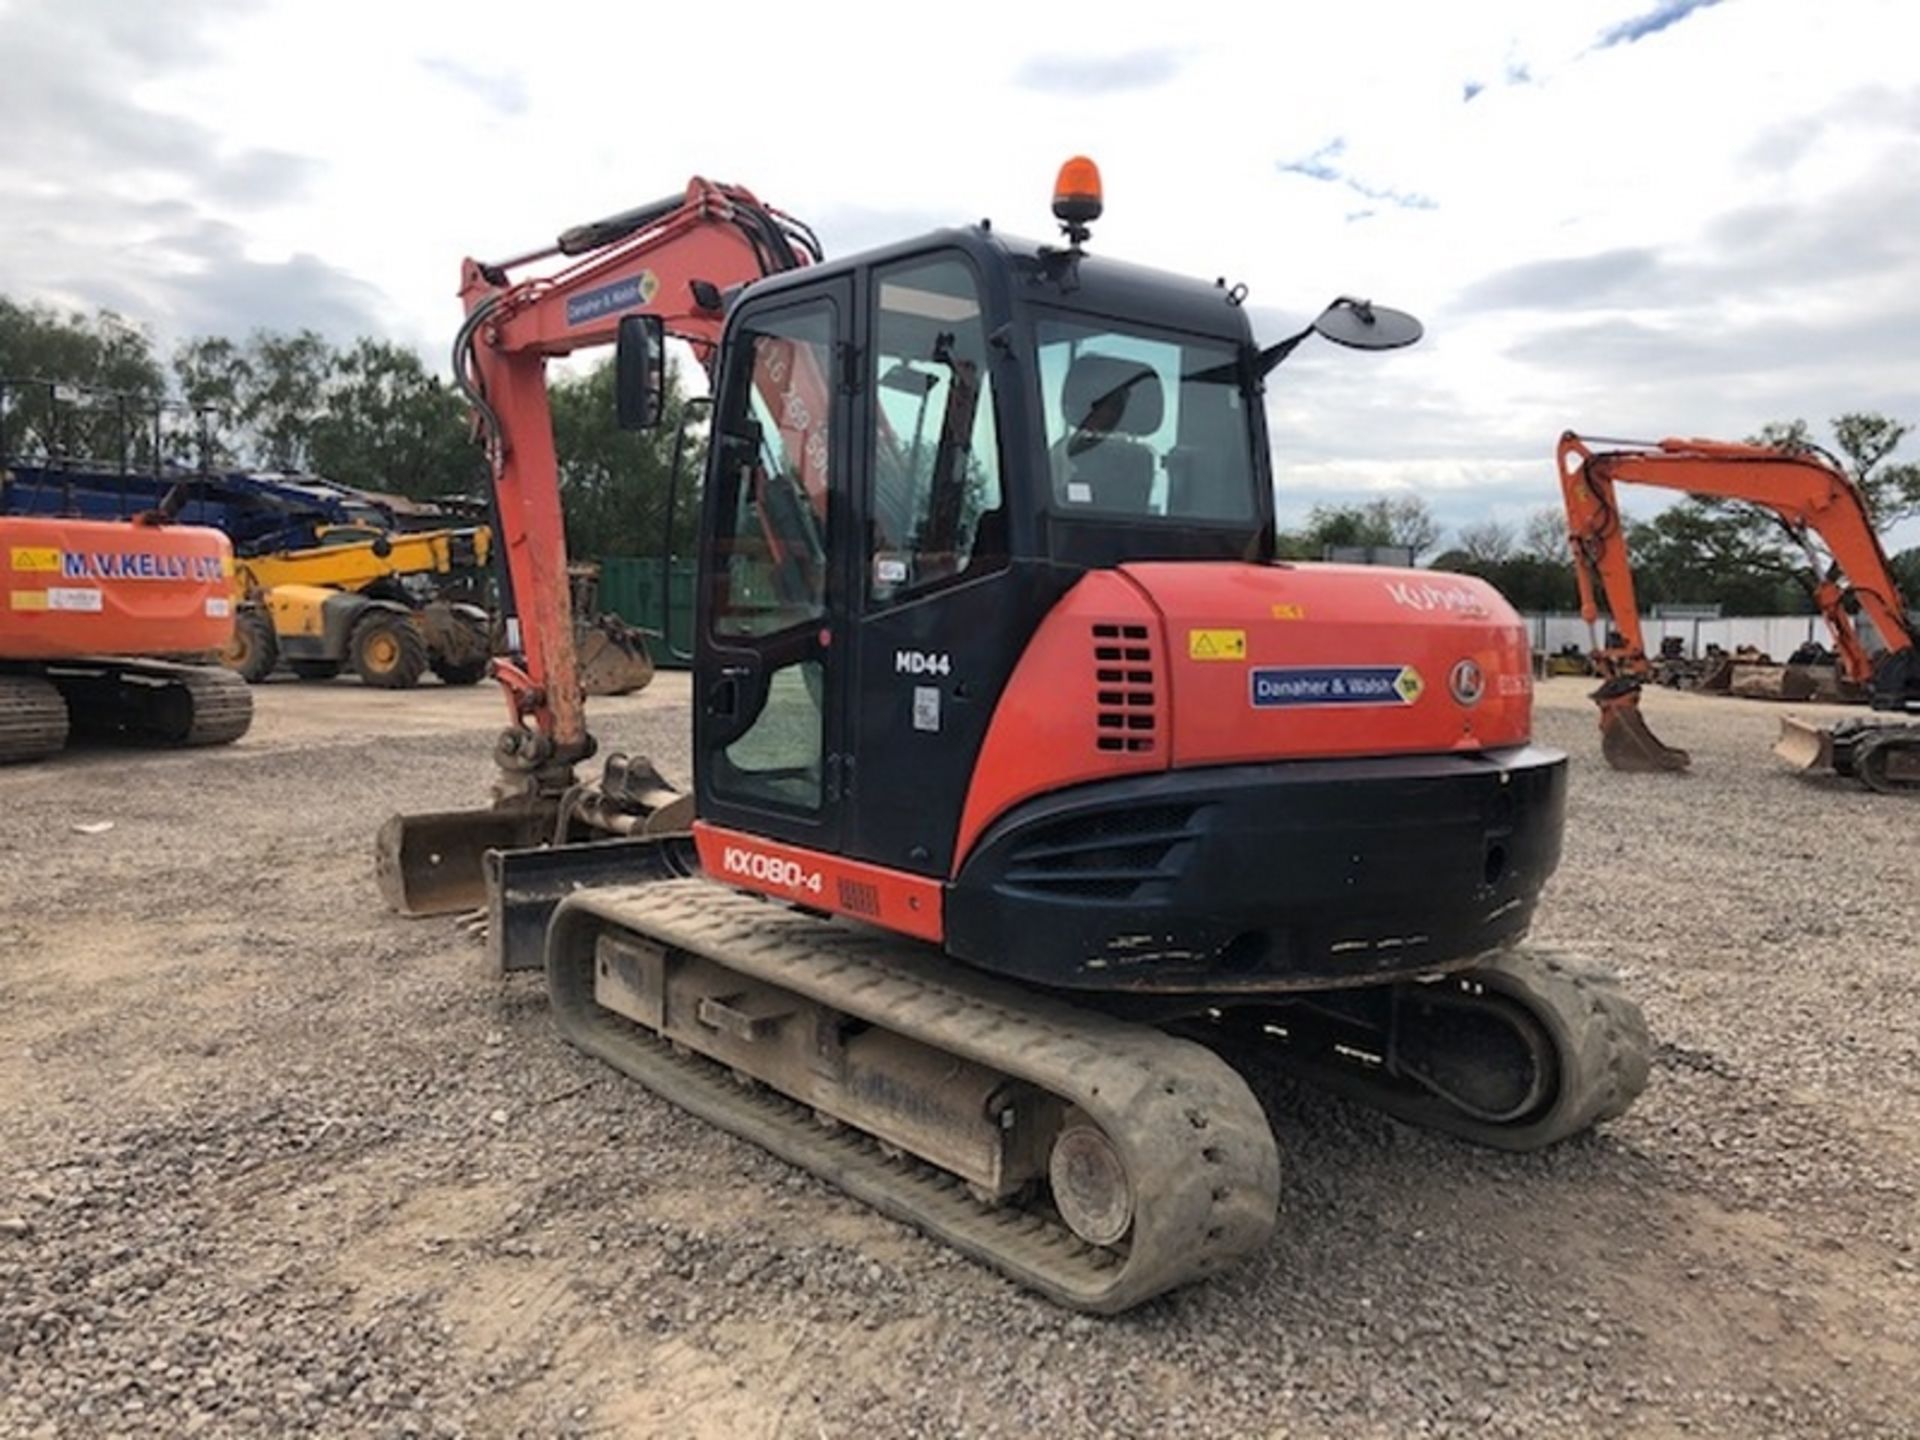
(1108, 403)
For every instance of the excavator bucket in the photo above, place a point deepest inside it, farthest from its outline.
(1629, 745)
(435, 863)
(612, 657)
(1804, 746)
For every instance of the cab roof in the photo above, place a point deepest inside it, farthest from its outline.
(1027, 272)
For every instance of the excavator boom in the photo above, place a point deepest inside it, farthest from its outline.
(676, 259)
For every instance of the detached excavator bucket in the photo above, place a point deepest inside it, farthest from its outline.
(1804, 746)
(435, 863)
(612, 657)
(1628, 744)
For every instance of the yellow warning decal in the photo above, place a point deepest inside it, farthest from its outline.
(1289, 610)
(29, 600)
(36, 557)
(1409, 684)
(1216, 644)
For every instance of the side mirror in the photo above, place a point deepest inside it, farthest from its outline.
(1357, 324)
(1362, 325)
(640, 371)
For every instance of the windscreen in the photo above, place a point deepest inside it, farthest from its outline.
(1144, 424)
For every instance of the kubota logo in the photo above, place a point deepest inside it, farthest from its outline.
(1467, 683)
(774, 870)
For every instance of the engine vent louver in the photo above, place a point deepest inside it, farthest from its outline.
(1123, 670)
(1106, 856)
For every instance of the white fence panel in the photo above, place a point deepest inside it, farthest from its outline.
(1776, 635)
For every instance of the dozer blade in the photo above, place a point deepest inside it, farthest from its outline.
(613, 658)
(434, 864)
(1804, 746)
(1629, 745)
(524, 887)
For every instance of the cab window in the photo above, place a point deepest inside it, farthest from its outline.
(935, 508)
(1144, 425)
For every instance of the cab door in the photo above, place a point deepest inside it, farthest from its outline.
(767, 730)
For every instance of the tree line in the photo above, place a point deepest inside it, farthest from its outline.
(373, 415)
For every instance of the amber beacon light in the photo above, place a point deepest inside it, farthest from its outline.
(1076, 197)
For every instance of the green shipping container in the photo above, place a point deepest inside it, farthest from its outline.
(630, 588)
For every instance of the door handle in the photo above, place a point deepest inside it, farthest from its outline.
(723, 698)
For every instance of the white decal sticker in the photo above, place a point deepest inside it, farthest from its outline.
(922, 662)
(218, 608)
(65, 597)
(1079, 492)
(771, 869)
(926, 707)
(889, 571)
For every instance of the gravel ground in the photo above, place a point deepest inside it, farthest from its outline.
(275, 1162)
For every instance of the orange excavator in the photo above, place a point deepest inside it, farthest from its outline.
(1035, 803)
(1811, 496)
(110, 630)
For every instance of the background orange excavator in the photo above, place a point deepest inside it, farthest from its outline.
(111, 629)
(1849, 577)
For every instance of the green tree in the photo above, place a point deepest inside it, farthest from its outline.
(1697, 554)
(1906, 574)
(613, 482)
(288, 395)
(1544, 535)
(1488, 541)
(215, 377)
(1865, 440)
(1401, 520)
(98, 362)
(388, 424)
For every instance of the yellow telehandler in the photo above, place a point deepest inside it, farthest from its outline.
(367, 600)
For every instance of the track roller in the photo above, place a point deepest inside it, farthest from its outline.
(1097, 1161)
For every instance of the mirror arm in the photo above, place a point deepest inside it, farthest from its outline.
(1271, 357)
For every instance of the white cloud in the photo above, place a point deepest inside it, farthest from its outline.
(1696, 230)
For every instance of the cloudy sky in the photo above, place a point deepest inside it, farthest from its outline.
(1628, 217)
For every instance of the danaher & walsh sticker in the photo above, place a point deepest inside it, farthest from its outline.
(1306, 685)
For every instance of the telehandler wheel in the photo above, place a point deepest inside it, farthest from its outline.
(461, 672)
(315, 669)
(253, 650)
(388, 652)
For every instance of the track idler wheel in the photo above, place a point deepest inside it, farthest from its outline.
(1525, 1049)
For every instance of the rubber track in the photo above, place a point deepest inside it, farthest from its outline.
(1196, 1145)
(33, 719)
(1600, 1036)
(1872, 756)
(222, 705)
